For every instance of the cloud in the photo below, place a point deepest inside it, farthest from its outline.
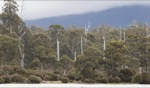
(41, 9)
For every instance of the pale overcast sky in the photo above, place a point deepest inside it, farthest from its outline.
(36, 9)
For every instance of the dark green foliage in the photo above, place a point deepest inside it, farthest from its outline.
(39, 74)
(114, 72)
(111, 79)
(34, 79)
(146, 78)
(104, 80)
(54, 77)
(98, 80)
(39, 48)
(36, 63)
(88, 80)
(126, 75)
(65, 80)
(1, 72)
(88, 71)
(1, 80)
(117, 79)
(57, 72)
(79, 77)
(71, 76)
(19, 70)
(143, 78)
(47, 77)
(115, 52)
(7, 78)
(137, 78)
(17, 78)
(8, 69)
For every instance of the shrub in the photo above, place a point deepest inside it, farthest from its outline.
(29, 72)
(146, 78)
(19, 70)
(65, 80)
(54, 77)
(104, 80)
(117, 79)
(98, 80)
(88, 80)
(1, 72)
(47, 78)
(143, 78)
(24, 80)
(114, 72)
(16, 78)
(39, 74)
(57, 72)
(71, 77)
(79, 77)
(34, 79)
(7, 78)
(126, 75)
(1, 80)
(137, 78)
(111, 79)
(36, 63)
(8, 69)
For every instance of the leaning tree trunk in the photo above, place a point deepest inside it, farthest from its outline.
(21, 50)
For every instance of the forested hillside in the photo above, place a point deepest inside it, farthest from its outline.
(110, 55)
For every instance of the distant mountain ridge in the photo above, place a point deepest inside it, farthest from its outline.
(121, 16)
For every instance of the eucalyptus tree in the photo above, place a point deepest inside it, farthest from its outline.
(73, 40)
(41, 47)
(66, 64)
(88, 63)
(13, 25)
(9, 17)
(115, 53)
(144, 48)
(8, 50)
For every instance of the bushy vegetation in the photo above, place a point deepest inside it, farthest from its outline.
(143, 78)
(65, 80)
(137, 78)
(88, 80)
(117, 79)
(1, 80)
(126, 75)
(104, 80)
(28, 54)
(7, 78)
(54, 77)
(146, 78)
(34, 79)
(111, 79)
(17, 78)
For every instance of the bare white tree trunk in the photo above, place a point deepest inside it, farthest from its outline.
(124, 36)
(81, 46)
(64, 72)
(75, 57)
(104, 47)
(21, 51)
(57, 50)
(120, 35)
(140, 70)
(86, 29)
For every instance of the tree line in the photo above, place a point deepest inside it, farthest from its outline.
(107, 51)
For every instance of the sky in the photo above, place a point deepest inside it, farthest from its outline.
(38, 9)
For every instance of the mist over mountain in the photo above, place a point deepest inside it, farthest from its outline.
(117, 17)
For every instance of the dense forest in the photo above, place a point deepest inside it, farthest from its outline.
(102, 54)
